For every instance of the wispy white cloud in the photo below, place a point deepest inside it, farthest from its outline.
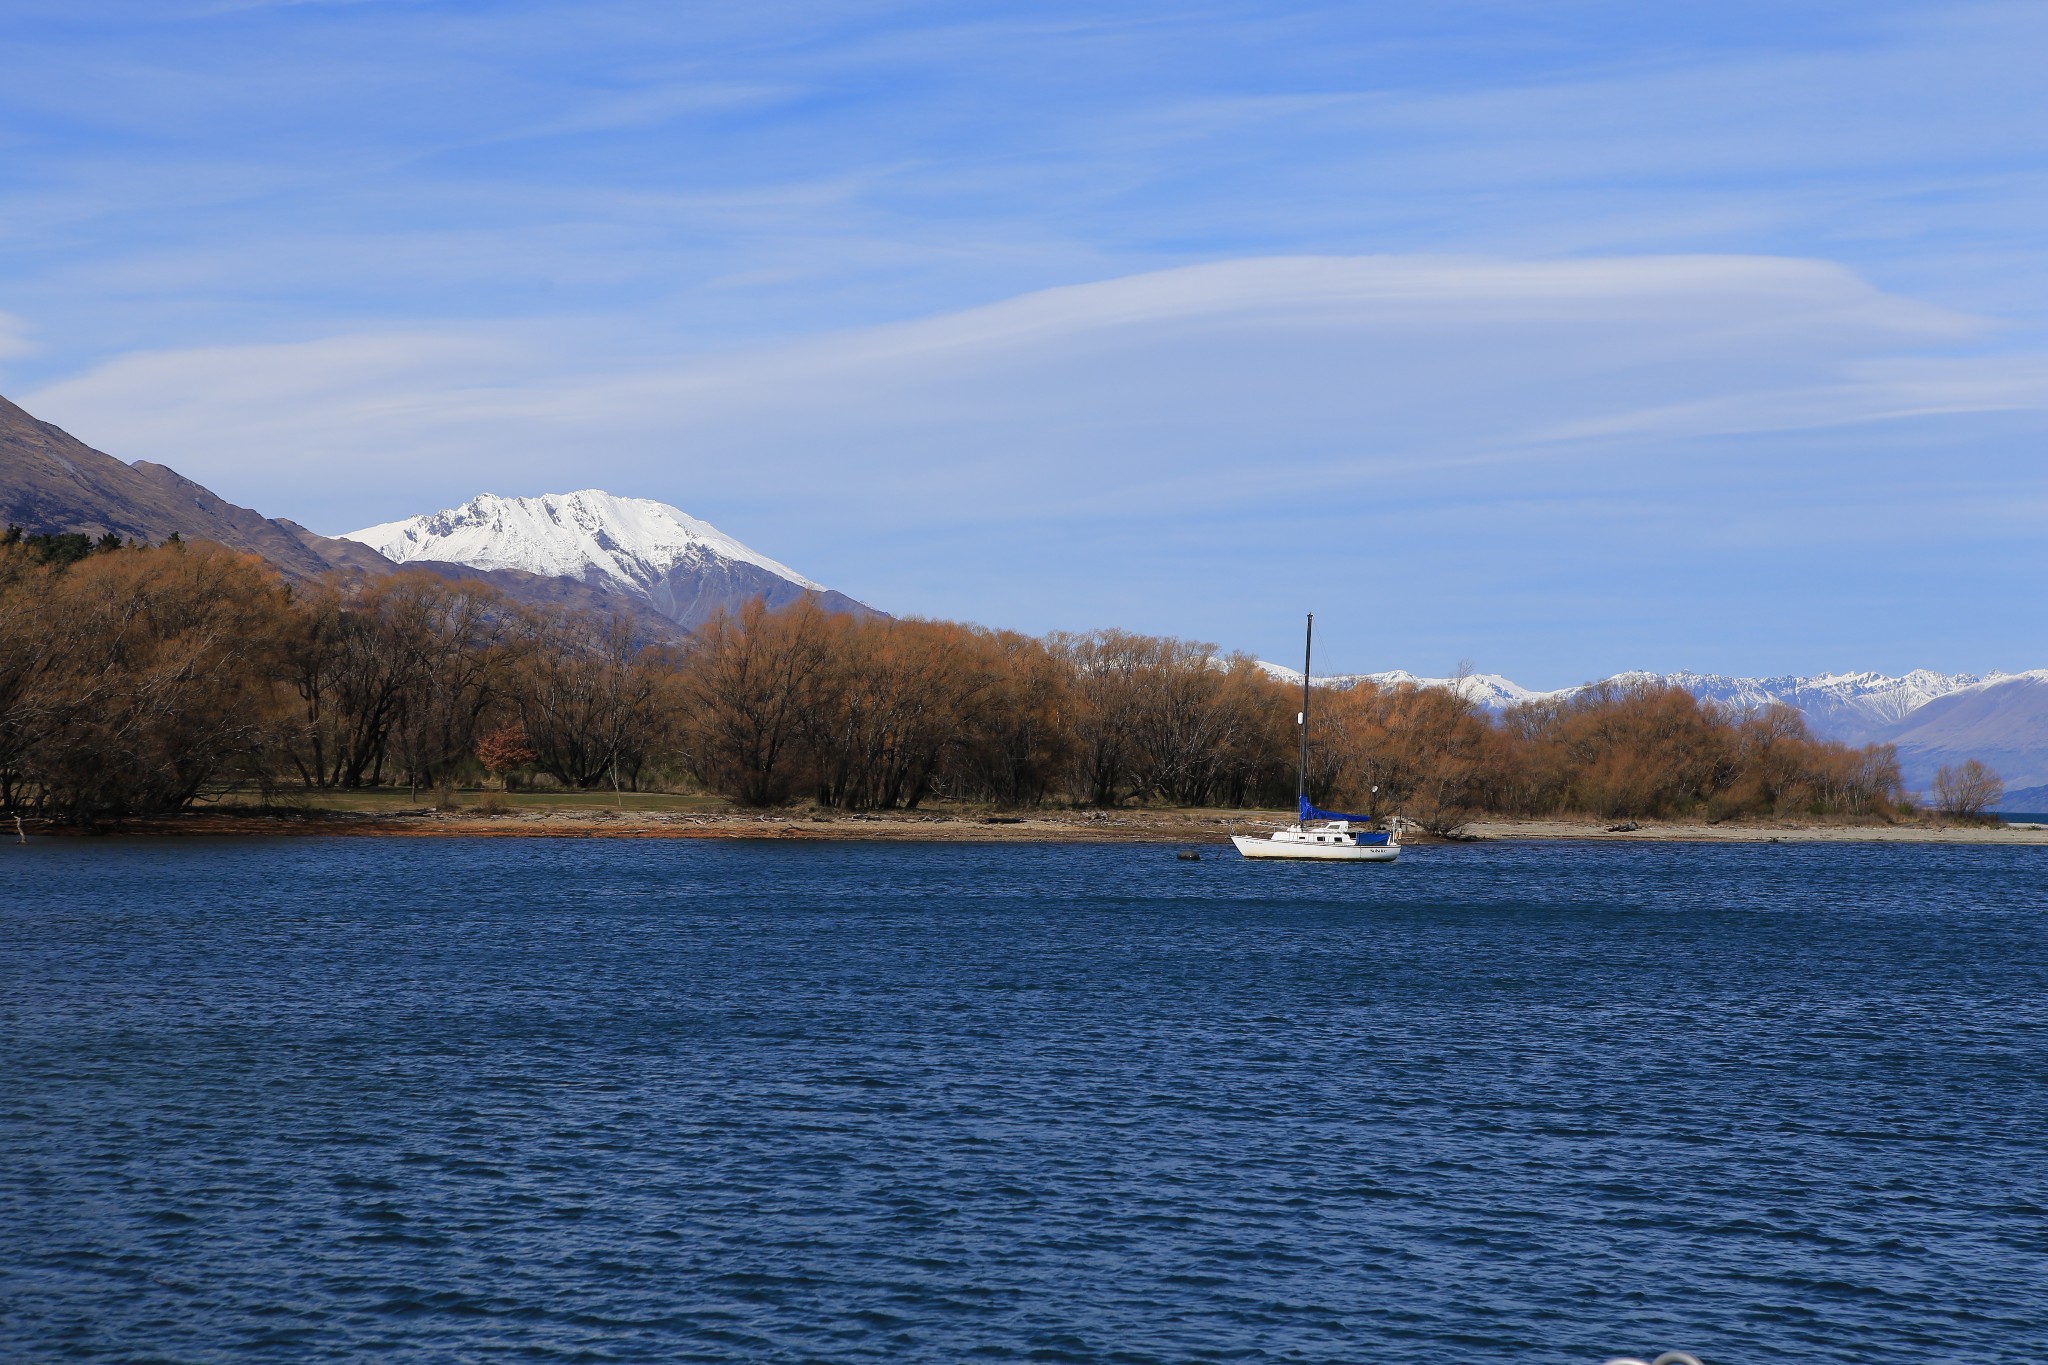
(1181, 388)
(14, 337)
(1549, 285)
(1892, 390)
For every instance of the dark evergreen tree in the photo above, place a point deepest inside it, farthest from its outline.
(60, 547)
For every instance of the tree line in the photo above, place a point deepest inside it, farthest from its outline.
(142, 679)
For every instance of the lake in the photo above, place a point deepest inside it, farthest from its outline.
(643, 1100)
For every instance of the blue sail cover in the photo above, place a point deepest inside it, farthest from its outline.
(1309, 812)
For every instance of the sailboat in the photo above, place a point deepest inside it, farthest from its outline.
(1320, 835)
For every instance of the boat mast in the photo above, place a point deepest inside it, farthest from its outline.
(1308, 645)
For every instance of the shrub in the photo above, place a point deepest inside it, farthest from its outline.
(1967, 791)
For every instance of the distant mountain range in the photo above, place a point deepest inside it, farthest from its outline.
(1933, 718)
(586, 550)
(671, 572)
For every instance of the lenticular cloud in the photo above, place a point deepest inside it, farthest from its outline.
(1147, 391)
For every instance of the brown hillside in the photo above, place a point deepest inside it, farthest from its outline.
(52, 482)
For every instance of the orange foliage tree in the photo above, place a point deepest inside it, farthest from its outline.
(503, 751)
(134, 679)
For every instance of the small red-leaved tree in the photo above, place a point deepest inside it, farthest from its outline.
(503, 751)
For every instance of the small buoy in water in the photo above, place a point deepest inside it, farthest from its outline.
(1189, 856)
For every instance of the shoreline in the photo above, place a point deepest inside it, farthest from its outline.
(1192, 827)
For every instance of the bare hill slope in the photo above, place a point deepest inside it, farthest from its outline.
(52, 482)
(2003, 722)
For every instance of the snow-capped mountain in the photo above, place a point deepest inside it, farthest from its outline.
(1852, 707)
(656, 555)
(1490, 690)
(1933, 718)
(1848, 706)
(2002, 720)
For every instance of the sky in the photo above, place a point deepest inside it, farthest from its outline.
(1558, 338)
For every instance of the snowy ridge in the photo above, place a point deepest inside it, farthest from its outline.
(1490, 690)
(1843, 705)
(1931, 719)
(1848, 706)
(651, 557)
(590, 535)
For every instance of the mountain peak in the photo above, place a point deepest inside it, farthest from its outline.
(632, 541)
(684, 568)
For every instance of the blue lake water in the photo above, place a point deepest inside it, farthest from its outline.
(507, 1100)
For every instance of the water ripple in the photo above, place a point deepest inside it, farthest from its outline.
(506, 1100)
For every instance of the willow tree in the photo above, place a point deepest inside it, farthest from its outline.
(748, 678)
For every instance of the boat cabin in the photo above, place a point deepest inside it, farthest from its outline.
(1338, 832)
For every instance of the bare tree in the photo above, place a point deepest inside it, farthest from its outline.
(32, 645)
(1966, 792)
(462, 674)
(360, 652)
(1021, 745)
(1106, 687)
(586, 700)
(748, 681)
(158, 682)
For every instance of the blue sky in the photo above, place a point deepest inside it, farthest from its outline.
(1561, 338)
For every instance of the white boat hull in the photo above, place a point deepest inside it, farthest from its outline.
(1322, 836)
(1255, 846)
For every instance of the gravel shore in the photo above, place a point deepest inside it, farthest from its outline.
(1048, 826)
